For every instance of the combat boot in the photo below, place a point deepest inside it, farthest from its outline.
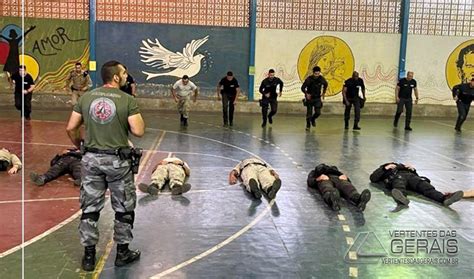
(332, 198)
(253, 185)
(37, 179)
(361, 200)
(88, 261)
(308, 124)
(178, 189)
(125, 255)
(151, 189)
(451, 198)
(273, 190)
(399, 197)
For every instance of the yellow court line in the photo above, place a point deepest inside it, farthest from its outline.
(101, 263)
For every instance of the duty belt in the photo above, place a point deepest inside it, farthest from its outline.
(254, 163)
(102, 151)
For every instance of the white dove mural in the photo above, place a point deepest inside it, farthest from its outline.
(155, 55)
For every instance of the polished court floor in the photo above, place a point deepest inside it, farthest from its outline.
(219, 231)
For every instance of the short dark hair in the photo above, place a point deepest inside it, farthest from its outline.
(271, 71)
(230, 74)
(22, 67)
(185, 77)
(316, 69)
(78, 63)
(462, 53)
(109, 70)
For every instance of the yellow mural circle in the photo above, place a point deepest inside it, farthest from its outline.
(334, 57)
(32, 66)
(460, 64)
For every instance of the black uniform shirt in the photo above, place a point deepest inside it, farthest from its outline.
(406, 88)
(464, 92)
(18, 82)
(269, 86)
(229, 86)
(353, 86)
(312, 85)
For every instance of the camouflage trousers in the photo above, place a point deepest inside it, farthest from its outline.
(101, 171)
(184, 104)
(260, 173)
(171, 173)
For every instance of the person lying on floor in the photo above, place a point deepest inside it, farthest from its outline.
(332, 184)
(66, 162)
(399, 178)
(8, 159)
(256, 176)
(173, 171)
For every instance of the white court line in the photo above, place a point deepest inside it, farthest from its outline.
(447, 125)
(38, 237)
(40, 200)
(218, 246)
(432, 152)
(36, 143)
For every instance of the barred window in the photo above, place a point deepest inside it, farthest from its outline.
(330, 15)
(441, 17)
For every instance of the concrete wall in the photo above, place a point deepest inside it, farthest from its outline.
(203, 53)
(51, 49)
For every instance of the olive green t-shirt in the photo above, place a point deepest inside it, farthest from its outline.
(105, 112)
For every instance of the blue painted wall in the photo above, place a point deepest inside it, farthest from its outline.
(226, 49)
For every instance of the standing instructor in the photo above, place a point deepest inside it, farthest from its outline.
(108, 116)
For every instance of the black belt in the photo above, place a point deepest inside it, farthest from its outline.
(102, 151)
(261, 164)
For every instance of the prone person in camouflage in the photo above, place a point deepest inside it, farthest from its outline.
(172, 170)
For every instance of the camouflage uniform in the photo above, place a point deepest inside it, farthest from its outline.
(173, 170)
(9, 159)
(258, 170)
(79, 81)
(184, 96)
(105, 112)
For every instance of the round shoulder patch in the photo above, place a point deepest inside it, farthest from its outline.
(102, 110)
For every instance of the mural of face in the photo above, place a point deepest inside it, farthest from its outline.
(467, 69)
(326, 62)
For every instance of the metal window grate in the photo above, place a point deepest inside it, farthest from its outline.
(233, 13)
(58, 9)
(330, 15)
(441, 17)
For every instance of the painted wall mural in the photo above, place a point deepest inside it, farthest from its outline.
(334, 57)
(51, 49)
(156, 55)
(440, 63)
(338, 54)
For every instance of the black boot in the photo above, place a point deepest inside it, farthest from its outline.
(88, 261)
(399, 197)
(37, 179)
(178, 189)
(182, 120)
(151, 189)
(185, 122)
(395, 121)
(308, 124)
(332, 199)
(356, 127)
(313, 121)
(452, 198)
(253, 185)
(361, 200)
(346, 124)
(125, 255)
(273, 190)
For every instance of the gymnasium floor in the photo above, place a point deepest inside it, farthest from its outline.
(219, 231)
